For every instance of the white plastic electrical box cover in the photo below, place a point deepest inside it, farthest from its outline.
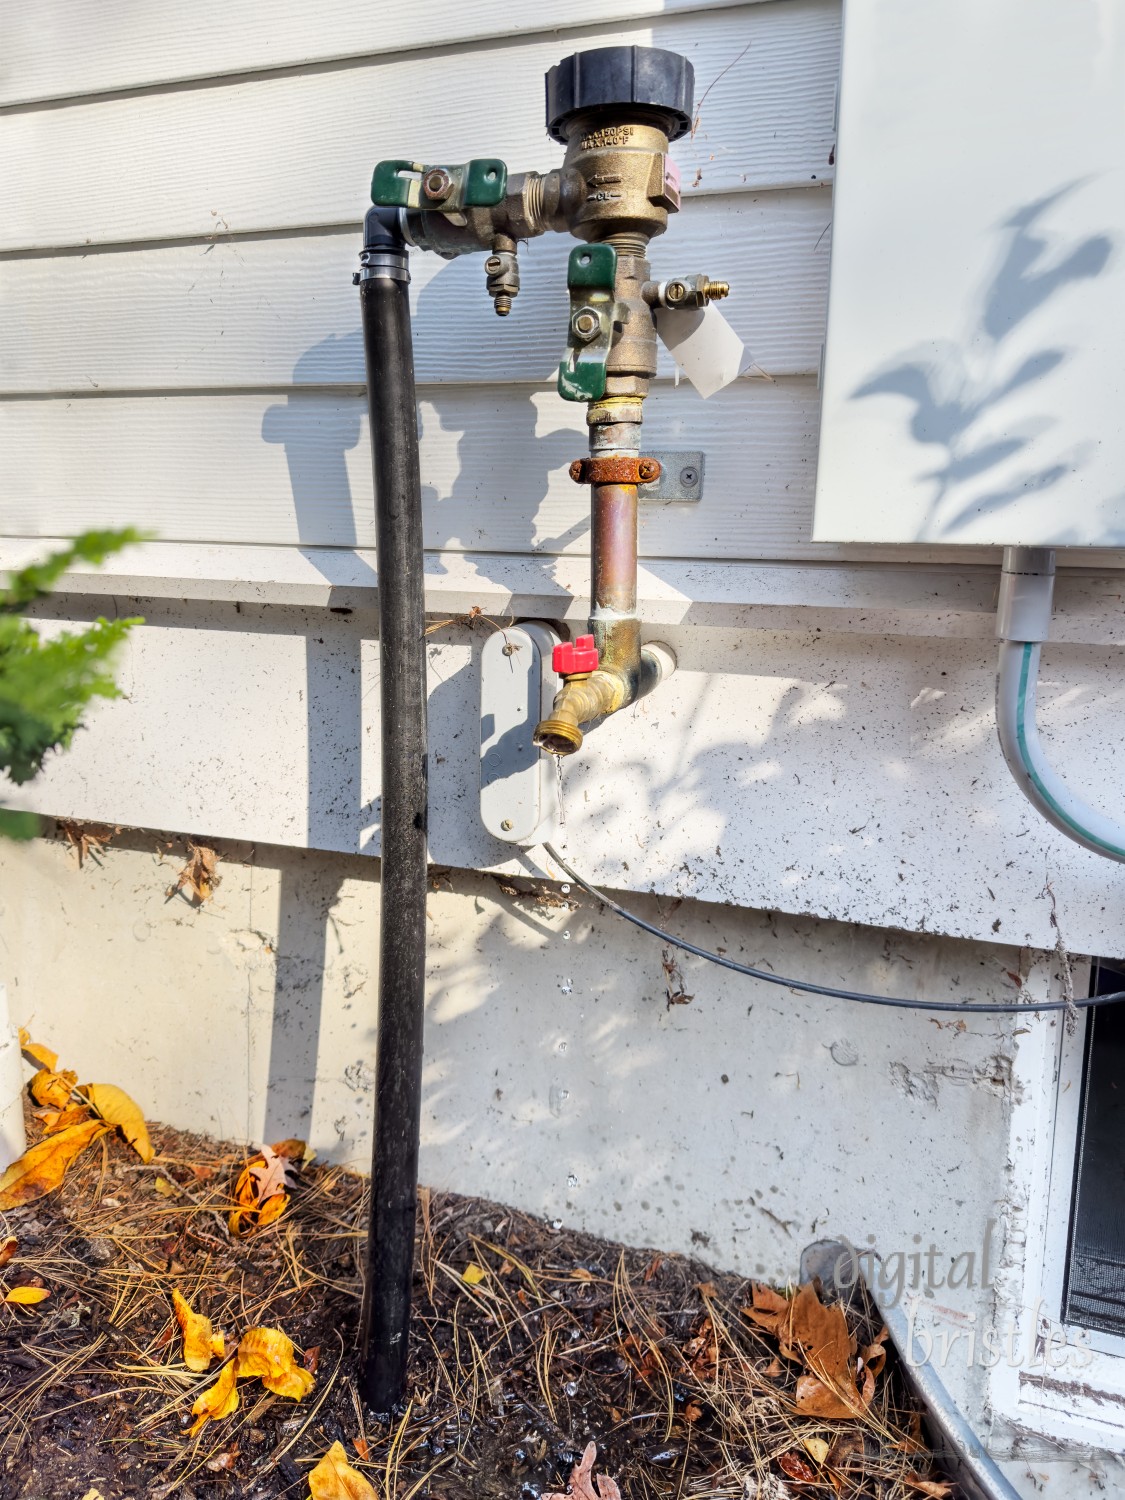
(974, 370)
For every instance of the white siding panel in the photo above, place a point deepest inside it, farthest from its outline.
(63, 48)
(296, 469)
(284, 312)
(297, 150)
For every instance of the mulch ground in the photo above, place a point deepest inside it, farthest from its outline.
(564, 1339)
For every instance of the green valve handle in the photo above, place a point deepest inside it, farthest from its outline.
(590, 278)
(480, 183)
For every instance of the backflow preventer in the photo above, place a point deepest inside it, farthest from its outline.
(615, 109)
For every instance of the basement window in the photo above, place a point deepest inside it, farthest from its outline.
(1094, 1286)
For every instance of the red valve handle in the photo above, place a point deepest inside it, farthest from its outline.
(571, 657)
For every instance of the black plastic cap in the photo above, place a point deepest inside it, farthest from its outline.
(608, 76)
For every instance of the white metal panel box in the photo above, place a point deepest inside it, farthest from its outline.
(973, 376)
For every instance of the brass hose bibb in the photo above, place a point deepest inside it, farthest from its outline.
(615, 110)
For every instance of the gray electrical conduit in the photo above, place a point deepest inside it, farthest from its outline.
(1023, 623)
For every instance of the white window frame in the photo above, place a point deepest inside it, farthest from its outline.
(1075, 1393)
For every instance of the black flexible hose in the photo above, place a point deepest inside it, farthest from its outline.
(385, 1316)
(806, 986)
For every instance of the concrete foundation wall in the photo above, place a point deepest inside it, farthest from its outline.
(740, 1124)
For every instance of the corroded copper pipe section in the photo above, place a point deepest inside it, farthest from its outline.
(614, 522)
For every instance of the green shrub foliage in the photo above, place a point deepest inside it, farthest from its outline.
(47, 682)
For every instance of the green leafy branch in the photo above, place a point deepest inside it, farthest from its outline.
(47, 682)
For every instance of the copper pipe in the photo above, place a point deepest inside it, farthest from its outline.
(614, 561)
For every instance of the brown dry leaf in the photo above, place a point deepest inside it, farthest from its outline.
(581, 1486)
(41, 1170)
(848, 1451)
(201, 1343)
(335, 1479)
(815, 1398)
(937, 1488)
(116, 1108)
(53, 1090)
(198, 874)
(8, 1249)
(86, 838)
(27, 1296)
(274, 1171)
(875, 1355)
(806, 1329)
(797, 1468)
(702, 1352)
(363, 1449)
(822, 1333)
(35, 1052)
(772, 1312)
(267, 1353)
(218, 1400)
(261, 1192)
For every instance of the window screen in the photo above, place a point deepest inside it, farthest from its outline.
(1095, 1273)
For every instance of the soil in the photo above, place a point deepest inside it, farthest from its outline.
(554, 1339)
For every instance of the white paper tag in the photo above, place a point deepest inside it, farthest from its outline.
(704, 345)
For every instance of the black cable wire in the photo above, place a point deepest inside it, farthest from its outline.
(804, 985)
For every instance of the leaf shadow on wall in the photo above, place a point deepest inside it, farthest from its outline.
(965, 386)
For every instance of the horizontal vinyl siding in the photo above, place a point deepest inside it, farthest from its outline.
(57, 49)
(179, 336)
(297, 151)
(283, 311)
(263, 466)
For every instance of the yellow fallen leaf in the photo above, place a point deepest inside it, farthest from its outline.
(165, 1188)
(292, 1148)
(116, 1108)
(816, 1448)
(201, 1344)
(8, 1249)
(267, 1353)
(53, 1089)
(54, 1120)
(93, 1495)
(38, 1053)
(218, 1400)
(473, 1274)
(335, 1479)
(272, 1209)
(27, 1296)
(41, 1170)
